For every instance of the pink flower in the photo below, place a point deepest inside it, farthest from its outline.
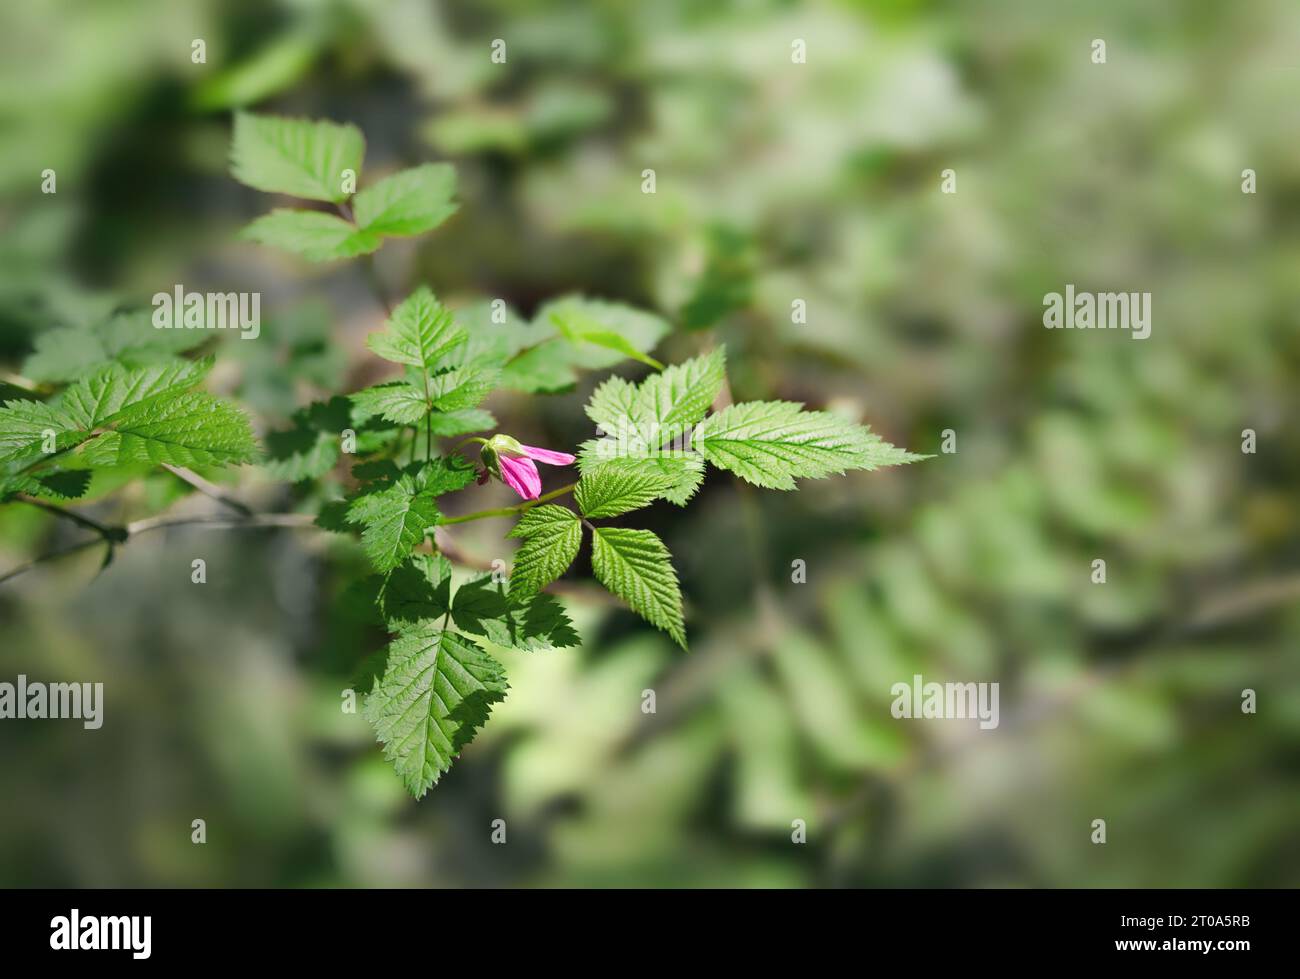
(514, 463)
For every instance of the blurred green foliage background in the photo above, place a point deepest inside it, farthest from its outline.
(776, 181)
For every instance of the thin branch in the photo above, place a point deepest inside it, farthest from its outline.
(207, 488)
(221, 523)
(149, 524)
(18, 381)
(105, 532)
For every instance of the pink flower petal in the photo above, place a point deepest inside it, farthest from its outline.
(521, 476)
(549, 457)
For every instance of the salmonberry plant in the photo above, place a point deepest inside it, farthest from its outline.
(115, 401)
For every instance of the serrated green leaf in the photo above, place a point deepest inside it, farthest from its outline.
(399, 402)
(316, 236)
(58, 486)
(771, 443)
(636, 566)
(420, 332)
(408, 203)
(647, 427)
(552, 537)
(461, 388)
(607, 491)
(484, 608)
(437, 689)
(186, 428)
(396, 514)
(395, 521)
(23, 428)
(418, 588)
(408, 402)
(615, 407)
(96, 399)
(663, 407)
(680, 396)
(300, 157)
(683, 471)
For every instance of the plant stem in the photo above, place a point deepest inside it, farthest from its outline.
(18, 381)
(148, 524)
(208, 489)
(509, 511)
(104, 531)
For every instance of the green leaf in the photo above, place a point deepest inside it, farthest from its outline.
(662, 407)
(539, 357)
(420, 331)
(408, 203)
(647, 427)
(461, 388)
(579, 327)
(539, 622)
(531, 357)
(607, 491)
(23, 425)
(300, 157)
(619, 331)
(437, 689)
(418, 588)
(59, 485)
(682, 471)
(771, 443)
(99, 397)
(399, 402)
(395, 519)
(462, 422)
(544, 368)
(635, 565)
(406, 402)
(272, 68)
(311, 448)
(187, 428)
(129, 338)
(396, 516)
(316, 236)
(552, 536)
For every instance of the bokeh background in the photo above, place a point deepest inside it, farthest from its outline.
(775, 181)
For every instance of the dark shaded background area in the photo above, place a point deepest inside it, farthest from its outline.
(775, 181)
